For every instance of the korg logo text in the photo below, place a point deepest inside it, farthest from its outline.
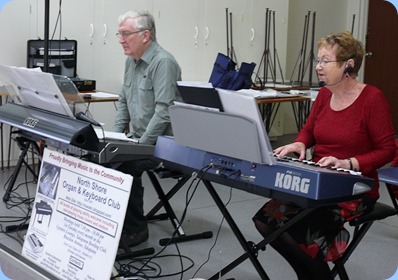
(291, 182)
(31, 122)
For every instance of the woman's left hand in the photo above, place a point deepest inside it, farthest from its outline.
(333, 161)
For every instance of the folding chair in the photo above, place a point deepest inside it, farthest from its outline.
(169, 212)
(361, 224)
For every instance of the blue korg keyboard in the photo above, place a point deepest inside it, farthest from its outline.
(290, 179)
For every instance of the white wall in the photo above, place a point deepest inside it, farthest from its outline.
(14, 32)
(194, 31)
(176, 24)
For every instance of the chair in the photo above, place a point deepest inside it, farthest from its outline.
(361, 226)
(164, 198)
(363, 223)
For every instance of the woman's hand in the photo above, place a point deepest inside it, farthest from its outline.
(296, 147)
(334, 162)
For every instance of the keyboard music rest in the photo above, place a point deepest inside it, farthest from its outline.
(304, 185)
(49, 125)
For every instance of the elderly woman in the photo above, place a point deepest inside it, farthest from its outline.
(350, 127)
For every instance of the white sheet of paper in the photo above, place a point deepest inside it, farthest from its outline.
(37, 89)
(112, 135)
(100, 94)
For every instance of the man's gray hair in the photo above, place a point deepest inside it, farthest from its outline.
(142, 21)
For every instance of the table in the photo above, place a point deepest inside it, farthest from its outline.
(98, 96)
(89, 97)
(269, 107)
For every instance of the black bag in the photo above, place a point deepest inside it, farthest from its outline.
(225, 76)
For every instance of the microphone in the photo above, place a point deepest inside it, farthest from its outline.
(83, 117)
(322, 83)
(347, 71)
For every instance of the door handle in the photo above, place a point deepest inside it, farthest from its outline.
(368, 54)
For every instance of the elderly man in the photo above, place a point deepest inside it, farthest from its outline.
(150, 87)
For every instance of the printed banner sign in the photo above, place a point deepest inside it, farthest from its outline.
(77, 217)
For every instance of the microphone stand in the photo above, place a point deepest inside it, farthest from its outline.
(226, 17)
(353, 24)
(302, 64)
(232, 51)
(312, 55)
(46, 33)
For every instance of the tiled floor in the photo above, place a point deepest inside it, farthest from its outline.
(375, 258)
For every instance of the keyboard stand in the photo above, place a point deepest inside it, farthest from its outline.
(170, 214)
(25, 145)
(251, 249)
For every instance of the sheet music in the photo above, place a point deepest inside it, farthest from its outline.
(274, 85)
(36, 89)
(113, 135)
(195, 84)
(101, 94)
(268, 93)
(259, 93)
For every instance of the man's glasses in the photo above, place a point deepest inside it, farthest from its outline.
(126, 34)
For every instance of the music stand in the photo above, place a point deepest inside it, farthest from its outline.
(33, 88)
(41, 92)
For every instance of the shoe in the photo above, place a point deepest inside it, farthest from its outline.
(135, 239)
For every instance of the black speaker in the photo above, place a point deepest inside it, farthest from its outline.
(62, 56)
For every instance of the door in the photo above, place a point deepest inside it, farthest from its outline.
(382, 53)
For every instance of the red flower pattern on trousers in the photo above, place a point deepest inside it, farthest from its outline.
(351, 209)
(277, 211)
(315, 244)
(311, 249)
(336, 249)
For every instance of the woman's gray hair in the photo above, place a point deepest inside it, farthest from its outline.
(142, 21)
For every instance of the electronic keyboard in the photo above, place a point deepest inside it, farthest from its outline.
(302, 182)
